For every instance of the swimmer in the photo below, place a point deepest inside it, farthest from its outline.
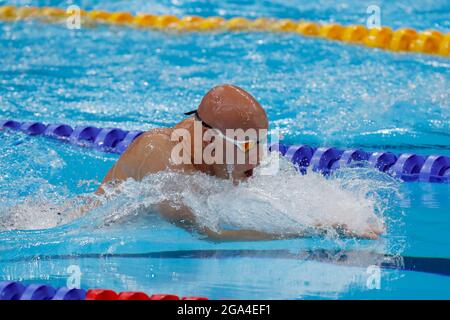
(223, 108)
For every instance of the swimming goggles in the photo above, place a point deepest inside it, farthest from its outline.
(243, 145)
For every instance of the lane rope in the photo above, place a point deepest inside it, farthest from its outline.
(15, 290)
(400, 40)
(405, 166)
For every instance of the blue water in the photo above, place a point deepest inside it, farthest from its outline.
(314, 91)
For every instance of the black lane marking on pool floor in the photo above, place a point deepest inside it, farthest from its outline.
(354, 258)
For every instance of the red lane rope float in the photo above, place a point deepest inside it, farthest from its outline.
(133, 296)
(104, 294)
(101, 294)
(164, 297)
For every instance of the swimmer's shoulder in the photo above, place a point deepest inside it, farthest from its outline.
(160, 136)
(149, 153)
(160, 132)
(153, 140)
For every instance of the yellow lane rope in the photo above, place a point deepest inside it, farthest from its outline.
(405, 39)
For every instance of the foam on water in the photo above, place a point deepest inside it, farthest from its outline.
(284, 203)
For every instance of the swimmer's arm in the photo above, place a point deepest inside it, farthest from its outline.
(182, 216)
(371, 233)
(241, 235)
(252, 235)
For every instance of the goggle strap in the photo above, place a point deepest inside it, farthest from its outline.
(190, 112)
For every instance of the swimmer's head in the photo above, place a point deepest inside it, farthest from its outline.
(233, 115)
(230, 107)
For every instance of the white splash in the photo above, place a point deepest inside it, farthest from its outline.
(284, 203)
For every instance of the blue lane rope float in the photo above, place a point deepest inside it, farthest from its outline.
(38, 292)
(12, 290)
(64, 293)
(111, 140)
(406, 166)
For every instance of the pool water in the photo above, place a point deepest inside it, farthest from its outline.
(315, 92)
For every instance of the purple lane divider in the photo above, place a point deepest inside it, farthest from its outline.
(84, 135)
(300, 156)
(10, 124)
(129, 138)
(323, 159)
(33, 128)
(38, 292)
(61, 131)
(64, 293)
(408, 167)
(350, 157)
(281, 148)
(107, 139)
(10, 290)
(435, 169)
(382, 160)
